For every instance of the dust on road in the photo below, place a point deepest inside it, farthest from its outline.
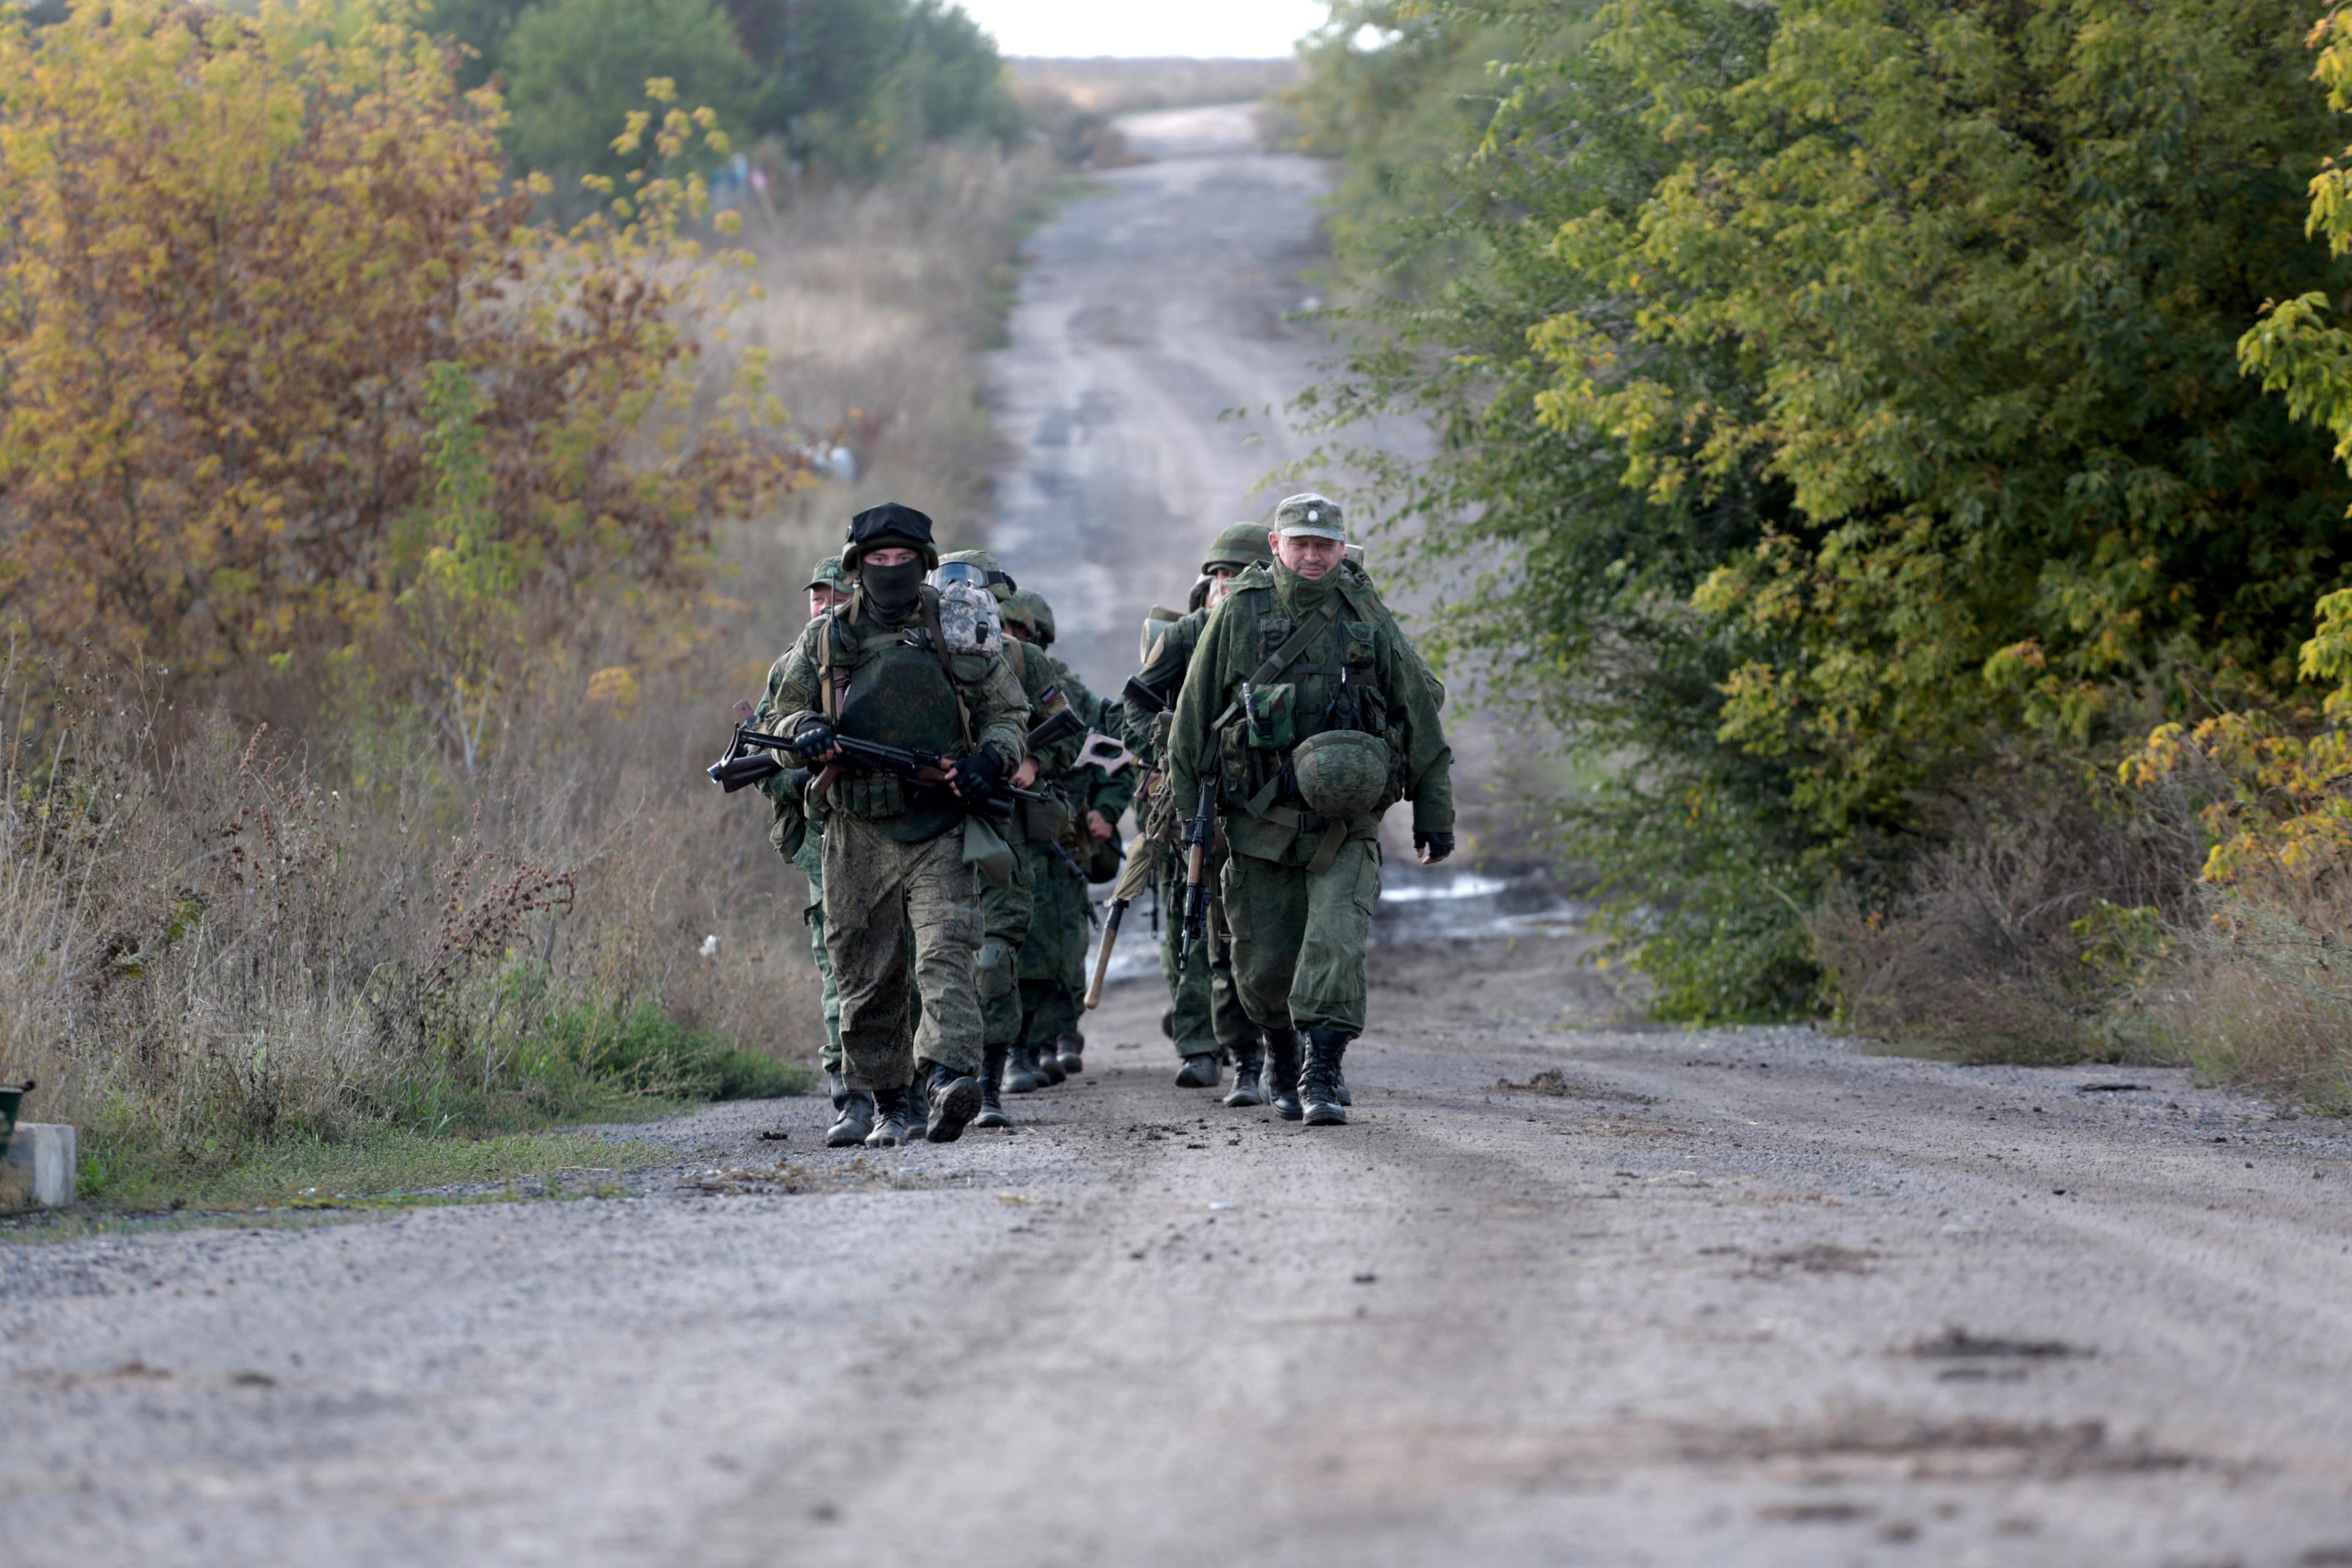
(1569, 1290)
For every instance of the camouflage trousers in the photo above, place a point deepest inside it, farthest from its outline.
(1207, 1010)
(1053, 956)
(811, 860)
(1005, 916)
(879, 892)
(1298, 939)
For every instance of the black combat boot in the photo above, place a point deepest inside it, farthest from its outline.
(1318, 1089)
(853, 1113)
(893, 1114)
(992, 1082)
(1198, 1071)
(952, 1099)
(1249, 1070)
(1022, 1073)
(1341, 1080)
(1073, 1046)
(1282, 1072)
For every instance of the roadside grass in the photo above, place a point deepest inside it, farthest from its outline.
(308, 1171)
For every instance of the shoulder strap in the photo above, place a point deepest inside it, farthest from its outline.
(1283, 657)
(946, 666)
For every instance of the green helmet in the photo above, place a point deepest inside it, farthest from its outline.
(1030, 612)
(1238, 547)
(1342, 773)
(828, 574)
(979, 568)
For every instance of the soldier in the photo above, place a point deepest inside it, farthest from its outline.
(1061, 837)
(880, 667)
(1207, 1016)
(1006, 911)
(853, 1113)
(1308, 713)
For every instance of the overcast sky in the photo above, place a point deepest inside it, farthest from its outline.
(1243, 28)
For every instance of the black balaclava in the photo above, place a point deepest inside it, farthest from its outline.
(892, 589)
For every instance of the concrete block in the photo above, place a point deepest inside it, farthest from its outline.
(39, 1171)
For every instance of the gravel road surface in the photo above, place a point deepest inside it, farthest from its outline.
(1570, 1290)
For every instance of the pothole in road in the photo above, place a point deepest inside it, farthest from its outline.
(1957, 1343)
(1822, 1258)
(1558, 1085)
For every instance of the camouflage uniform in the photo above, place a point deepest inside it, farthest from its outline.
(1207, 1018)
(1299, 891)
(894, 862)
(1054, 839)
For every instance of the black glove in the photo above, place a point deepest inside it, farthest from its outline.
(1438, 846)
(977, 776)
(814, 739)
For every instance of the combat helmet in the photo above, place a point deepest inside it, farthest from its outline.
(889, 524)
(1028, 612)
(1238, 547)
(977, 567)
(1343, 775)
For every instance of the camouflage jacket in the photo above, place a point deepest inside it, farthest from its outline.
(1355, 670)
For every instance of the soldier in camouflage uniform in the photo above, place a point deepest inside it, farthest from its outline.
(879, 669)
(1207, 1016)
(853, 1120)
(1006, 911)
(1305, 692)
(1061, 837)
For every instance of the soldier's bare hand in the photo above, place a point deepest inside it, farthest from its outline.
(1026, 774)
(1102, 830)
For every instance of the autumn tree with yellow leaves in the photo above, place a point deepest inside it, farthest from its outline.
(234, 248)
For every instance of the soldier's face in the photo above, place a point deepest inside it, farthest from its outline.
(1220, 580)
(822, 599)
(1306, 554)
(887, 555)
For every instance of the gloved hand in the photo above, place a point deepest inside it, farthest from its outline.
(977, 776)
(813, 739)
(1433, 846)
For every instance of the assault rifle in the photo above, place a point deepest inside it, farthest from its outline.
(744, 765)
(1198, 833)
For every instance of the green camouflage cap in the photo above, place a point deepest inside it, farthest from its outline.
(1238, 547)
(1030, 612)
(828, 574)
(1310, 516)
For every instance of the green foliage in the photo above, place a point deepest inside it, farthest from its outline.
(856, 85)
(1833, 388)
(573, 67)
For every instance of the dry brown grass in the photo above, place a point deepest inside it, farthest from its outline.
(272, 906)
(2014, 939)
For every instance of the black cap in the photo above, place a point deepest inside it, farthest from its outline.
(878, 527)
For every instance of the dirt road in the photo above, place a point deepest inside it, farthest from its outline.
(1570, 1290)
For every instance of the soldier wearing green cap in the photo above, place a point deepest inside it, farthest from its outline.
(1308, 713)
(827, 585)
(1206, 1018)
(1062, 836)
(881, 668)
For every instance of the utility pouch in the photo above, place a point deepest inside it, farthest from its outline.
(870, 795)
(1044, 821)
(788, 831)
(1271, 718)
(1356, 646)
(985, 847)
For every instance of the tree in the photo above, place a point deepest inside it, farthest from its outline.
(233, 249)
(570, 67)
(1845, 387)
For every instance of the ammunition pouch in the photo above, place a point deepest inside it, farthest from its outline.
(1271, 722)
(868, 795)
(1046, 821)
